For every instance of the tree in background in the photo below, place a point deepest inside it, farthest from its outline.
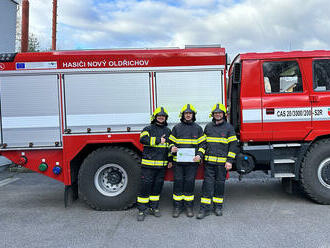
(34, 45)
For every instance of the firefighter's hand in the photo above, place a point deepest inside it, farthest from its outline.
(197, 158)
(174, 149)
(169, 165)
(162, 139)
(228, 166)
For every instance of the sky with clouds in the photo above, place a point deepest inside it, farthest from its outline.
(238, 25)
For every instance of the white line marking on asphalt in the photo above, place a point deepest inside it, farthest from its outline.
(7, 181)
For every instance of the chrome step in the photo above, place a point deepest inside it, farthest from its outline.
(284, 161)
(286, 145)
(280, 175)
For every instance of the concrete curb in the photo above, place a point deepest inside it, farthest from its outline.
(18, 168)
(4, 167)
(4, 163)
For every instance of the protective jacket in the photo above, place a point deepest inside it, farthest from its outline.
(155, 154)
(188, 135)
(221, 143)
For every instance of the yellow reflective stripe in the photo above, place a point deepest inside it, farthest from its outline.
(172, 138)
(152, 141)
(217, 200)
(165, 145)
(232, 138)
(142, 200)
(201, 150)
(174, 158)
(217, 140)
(215, 159)
(231, 154)
(205, 200)
(154, 162)
(201, 139)
(144, 133)
(178, 197)
(188, 197)
(187, 141)
(154, 198)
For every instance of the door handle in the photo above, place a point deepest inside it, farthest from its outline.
(314, 98)
(270, 111)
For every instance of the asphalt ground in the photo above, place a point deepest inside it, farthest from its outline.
(4, 163)
(257, 213)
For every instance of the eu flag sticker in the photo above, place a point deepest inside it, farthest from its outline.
(20, 66)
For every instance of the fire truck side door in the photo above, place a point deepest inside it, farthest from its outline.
(30, 111)
(201, 88)
(251, 104)
(320, 95)
(285, 101)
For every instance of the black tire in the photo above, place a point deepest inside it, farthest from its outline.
(108, 178)
(315, 172)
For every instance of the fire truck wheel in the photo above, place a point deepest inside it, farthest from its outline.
(108, 178)
(315, 172)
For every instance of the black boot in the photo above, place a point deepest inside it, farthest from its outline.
(155, 212)
(202, 213)
(189, 212)
(176, 212)
(218, 211)
(141, 215)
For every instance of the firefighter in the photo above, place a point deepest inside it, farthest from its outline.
(186, 134)
(220, 151)
(154, 162)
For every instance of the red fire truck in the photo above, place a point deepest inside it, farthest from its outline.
(76, 116)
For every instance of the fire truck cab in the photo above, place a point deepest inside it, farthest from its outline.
(280, 107)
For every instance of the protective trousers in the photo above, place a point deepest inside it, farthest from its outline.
(151, 184)
(184, 185)
(213, 186)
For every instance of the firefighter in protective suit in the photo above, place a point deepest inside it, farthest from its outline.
(155, 158)
(220, 151)
(186, 134)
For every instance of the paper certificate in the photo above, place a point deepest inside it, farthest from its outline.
(185, 155)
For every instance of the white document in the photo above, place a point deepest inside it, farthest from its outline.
(185, 155)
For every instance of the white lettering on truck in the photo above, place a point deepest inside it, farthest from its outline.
(104, 63)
